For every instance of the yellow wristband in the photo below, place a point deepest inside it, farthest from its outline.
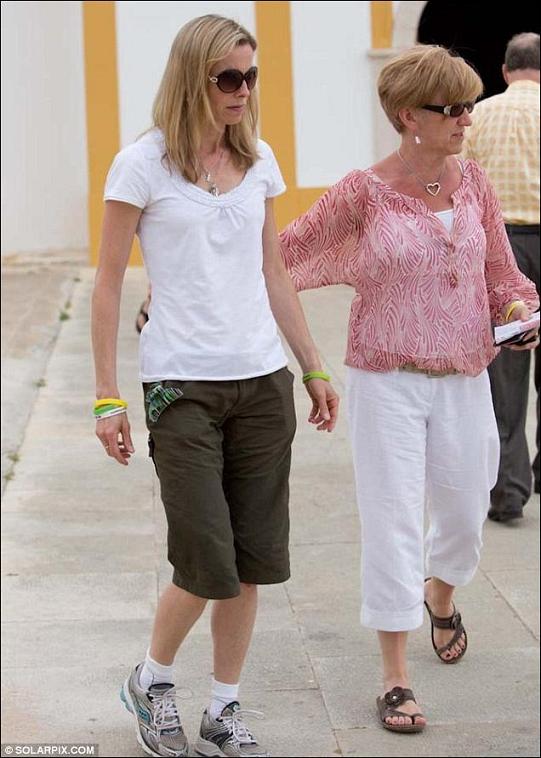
(110, 401)
(512, 308)
(315, 375)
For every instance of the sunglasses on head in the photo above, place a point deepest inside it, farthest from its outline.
(455, 110)
(231, 79)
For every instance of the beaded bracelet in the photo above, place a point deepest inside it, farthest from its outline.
(315, 375)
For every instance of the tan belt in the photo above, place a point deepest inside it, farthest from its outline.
(412, 368)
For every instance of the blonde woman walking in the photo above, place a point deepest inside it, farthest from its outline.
(198, 190)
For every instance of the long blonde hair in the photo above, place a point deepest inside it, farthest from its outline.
(182, 107)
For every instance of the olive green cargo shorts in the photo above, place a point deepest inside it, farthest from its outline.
(222, 451)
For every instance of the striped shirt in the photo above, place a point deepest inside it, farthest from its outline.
(504, 139)
(424, 295)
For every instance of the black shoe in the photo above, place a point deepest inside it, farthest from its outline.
(495, 514)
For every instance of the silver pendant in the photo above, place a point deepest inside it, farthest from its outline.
(433, 188)
(214, 190)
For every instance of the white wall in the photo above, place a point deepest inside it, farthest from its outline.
(333, 90)
(145, 32)
(44, 163)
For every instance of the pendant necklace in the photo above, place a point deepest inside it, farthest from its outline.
(433, 188)
(207, 176)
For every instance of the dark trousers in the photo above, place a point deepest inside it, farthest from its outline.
(509, 378)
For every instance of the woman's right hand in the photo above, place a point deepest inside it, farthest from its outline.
(114, 435)
(119, 224)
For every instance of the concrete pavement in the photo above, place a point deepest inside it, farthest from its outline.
(36, 297)
(83, 564)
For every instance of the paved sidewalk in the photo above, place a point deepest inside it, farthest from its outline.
(36, 296)
(84, 545)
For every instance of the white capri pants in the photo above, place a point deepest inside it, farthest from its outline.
(417, 438)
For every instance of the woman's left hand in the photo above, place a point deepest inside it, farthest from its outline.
(521, 313)
(325, 402)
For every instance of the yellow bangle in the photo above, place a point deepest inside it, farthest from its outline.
(512, 308)
(315, 375)
(110, 401)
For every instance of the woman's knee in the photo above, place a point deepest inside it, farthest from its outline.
(247, 588)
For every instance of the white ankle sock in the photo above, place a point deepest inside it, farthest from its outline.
(221, 695)
(154, 673)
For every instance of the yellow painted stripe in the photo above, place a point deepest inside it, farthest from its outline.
(103, 135)
(273, 23)
(276, 78)
(382, 23)
(102, 111)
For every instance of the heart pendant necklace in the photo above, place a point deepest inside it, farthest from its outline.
(433, 188)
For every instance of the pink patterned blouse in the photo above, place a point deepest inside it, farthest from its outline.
(423, 296)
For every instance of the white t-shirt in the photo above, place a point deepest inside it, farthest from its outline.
(210, 317)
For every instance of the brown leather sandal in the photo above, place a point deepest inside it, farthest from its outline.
(454, 621)
(387, 708)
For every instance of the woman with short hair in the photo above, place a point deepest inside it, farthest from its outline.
(421, 239)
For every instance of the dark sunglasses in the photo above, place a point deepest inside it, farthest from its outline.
(455, 110)
(231, 79)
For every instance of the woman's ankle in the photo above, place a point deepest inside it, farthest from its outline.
(395, 680)
(440, 597)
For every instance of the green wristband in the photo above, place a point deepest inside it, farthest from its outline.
(315, 375)
(105, 409)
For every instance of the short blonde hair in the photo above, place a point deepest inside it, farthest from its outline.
(419, 74)
(182, 107)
